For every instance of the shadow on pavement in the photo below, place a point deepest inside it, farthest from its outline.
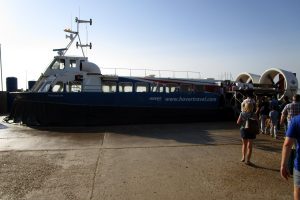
(264, 168)
(192, 133)
(267, 143)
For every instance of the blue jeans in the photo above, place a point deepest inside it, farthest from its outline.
(296, 176)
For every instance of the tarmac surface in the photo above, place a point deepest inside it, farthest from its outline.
(134, 162)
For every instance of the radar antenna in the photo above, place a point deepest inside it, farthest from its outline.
(72, 36)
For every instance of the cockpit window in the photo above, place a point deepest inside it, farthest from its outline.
(46, 87)
(72, 63)
(58, 64)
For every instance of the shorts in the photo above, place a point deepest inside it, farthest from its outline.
(246, 135)
(296, 178)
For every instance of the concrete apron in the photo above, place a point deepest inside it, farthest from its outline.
(164, 161)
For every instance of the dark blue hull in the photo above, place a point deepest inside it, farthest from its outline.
(69, 109)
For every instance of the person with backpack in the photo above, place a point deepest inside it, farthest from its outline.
(247, 135)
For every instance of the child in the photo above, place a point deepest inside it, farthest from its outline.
(274, 117)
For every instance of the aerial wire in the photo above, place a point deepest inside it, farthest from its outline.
(87, 39)
(71, 22)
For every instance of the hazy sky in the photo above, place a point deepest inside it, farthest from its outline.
(212, 37)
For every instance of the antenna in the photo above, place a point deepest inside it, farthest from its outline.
(84, 45)
(83, 21)
(26, 80)
(79, 44)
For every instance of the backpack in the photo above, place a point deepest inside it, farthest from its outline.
(251, 126)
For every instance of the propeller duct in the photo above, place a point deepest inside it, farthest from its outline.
(246, 77)
(284, 81)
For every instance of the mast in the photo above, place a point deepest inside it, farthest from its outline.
(1, 70)
(72, 36)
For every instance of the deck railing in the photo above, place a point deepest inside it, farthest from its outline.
(151, 72)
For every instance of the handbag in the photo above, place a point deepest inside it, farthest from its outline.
(252, 126)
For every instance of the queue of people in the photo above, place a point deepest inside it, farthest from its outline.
(268, 112)
(271, 115)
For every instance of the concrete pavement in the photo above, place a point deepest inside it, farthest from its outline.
(158, 161)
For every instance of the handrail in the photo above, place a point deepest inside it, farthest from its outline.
(188, 74)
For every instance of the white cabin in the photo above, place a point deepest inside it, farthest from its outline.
(69, 74)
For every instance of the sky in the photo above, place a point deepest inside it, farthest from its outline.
(216, 38)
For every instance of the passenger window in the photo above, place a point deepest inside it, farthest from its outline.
(58, 87)
(171, 88)
(141, 87)
(109, 86)
(199, 88)
(186, 88)
(156, 88)
(73, 86)
(125, 87)
(76, 88)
